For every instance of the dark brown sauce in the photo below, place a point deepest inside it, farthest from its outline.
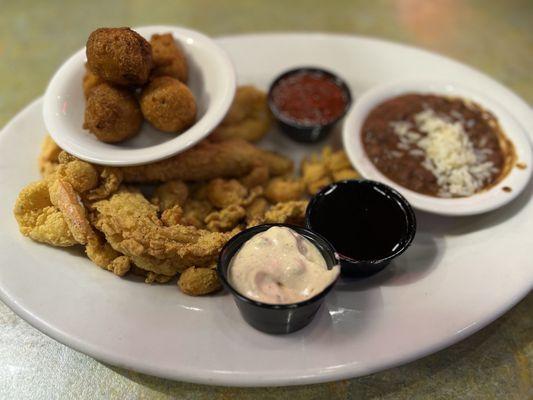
(507, 189)
(360, 224)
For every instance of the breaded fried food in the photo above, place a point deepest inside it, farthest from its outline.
(282, 189)
(223, 193)
(248, 118)
(90, 81)
(119, 55)
(112, 114)
(290, 212)
(102, 254)
(39, 219)
(319, 170)
(132, 227)
(226, 219)
(170, 194)
(48, 157)
(199, 281)
(208, 160)
(168, 58)
(168, 104)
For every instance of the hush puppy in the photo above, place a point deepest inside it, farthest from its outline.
(168, 57)
(112, 113)
(168, 104)
(119, 55)
(90, 81)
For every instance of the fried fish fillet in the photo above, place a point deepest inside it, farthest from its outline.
(132, 227)
(232, 158)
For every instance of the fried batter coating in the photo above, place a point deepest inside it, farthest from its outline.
(172, 216)
(199, 281)
(48, 157)
(102, 254)
(119, 55)
(90, 81)
(223, 193)
(248, 118)
(255, 212)
(39, 219)
(81, 175)
(195, 211)
(207, 160)
(319, 171)
(112, 114)
(170, 194)
(225, 219)
(131, 226)
(284, 189)
(291, 212)
(168, 104)
(256, 177)
(168, 57)
(109, 182)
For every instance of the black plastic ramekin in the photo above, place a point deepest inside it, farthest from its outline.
(356, 192)
(275, 318)
(307, 133)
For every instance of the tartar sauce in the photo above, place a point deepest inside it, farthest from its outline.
(280, 266)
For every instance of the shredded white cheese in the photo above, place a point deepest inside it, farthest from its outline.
(448, 153)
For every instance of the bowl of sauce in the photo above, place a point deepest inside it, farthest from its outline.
(279, 275)
(368, 223)
(307, 102)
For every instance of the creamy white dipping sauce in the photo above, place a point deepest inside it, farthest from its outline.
(280, 266)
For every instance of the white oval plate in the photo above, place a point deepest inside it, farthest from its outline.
(459, 275)
(211, 80)
(487, 200)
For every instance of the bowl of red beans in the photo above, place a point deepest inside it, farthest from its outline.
(307, 102)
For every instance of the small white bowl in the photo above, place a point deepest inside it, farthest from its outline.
(478, 203)
(211, 80)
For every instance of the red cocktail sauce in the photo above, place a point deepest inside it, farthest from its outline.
(309, 98)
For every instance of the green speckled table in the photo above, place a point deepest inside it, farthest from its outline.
(494, 36)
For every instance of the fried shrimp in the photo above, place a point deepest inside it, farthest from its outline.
(284, 189)
(168, 104)
(248, 117)
(168, 57)
(119, 55)
(112, 114)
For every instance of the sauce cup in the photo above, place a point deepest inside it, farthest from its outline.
(368, 219)
(275, 318)
(307, 132)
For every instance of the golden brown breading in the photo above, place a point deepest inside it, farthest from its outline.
(48, 157)
(109, 182)
(195, 211)
(208, 160)
(131, 226)
(248, 118)
(225, 219)
(112, 114)
(223, 193)
(39, 219)
(170, 194)
(255, 211)
(199, 281)
(284, 189)
(168, 57)
(319, 171)
(291, 212)
(102, 254)
(168, 104)
(119, 55)
(256, 177)
(172, 216)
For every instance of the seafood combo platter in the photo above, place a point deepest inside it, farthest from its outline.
(270, 209)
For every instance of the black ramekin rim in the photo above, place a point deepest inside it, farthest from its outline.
(314, 237)
(397, 196)
(338, 80)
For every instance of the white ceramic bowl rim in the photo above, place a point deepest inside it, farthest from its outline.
(484, 201)
(58, 93)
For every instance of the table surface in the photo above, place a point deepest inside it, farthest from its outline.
(493, 36)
